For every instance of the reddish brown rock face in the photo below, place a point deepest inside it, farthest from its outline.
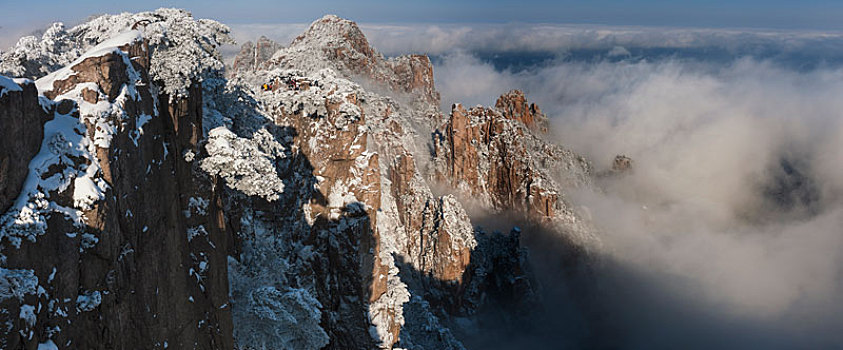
(513, 105)
(432, 246)
(343, 204)
(108, 71)
(436, 228)
(463, 155)
(622, 164)
(494, 155)
(338, 129)
(414, 75)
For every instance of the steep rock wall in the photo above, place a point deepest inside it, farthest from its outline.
(22, 120)
(115, 263)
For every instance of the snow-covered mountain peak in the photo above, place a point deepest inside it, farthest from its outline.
(339, 44)
(333, 33)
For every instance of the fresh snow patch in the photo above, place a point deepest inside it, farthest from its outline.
(63, 144)
(112, 45)
(27, 314)
(193, 232)
(48, 345)
(88, 241)
(7, 85)
(68, 155)
(86, 192)
(141, 122)
(197, 205)
(52, 276)
(88, 301)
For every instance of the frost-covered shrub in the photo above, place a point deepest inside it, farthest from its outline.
(32, 57)
(246, 165)
(280, 320)
(184, 49)
(17, 283)
(269, 310)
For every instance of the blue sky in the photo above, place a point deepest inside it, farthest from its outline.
(805, 14)
(19, 18)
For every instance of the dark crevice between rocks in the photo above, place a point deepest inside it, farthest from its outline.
(529, 287)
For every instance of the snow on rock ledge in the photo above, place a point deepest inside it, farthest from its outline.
(111, 46)
(101, 98)
(7, 85)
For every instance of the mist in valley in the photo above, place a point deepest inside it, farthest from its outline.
(727, 231)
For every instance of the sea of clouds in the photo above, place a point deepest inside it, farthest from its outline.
(729, 231)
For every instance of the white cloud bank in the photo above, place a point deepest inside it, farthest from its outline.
(437, 39)
(735, 202)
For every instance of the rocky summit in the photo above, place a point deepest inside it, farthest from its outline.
(309, 196)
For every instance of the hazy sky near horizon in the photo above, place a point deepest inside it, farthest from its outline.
(18, 18)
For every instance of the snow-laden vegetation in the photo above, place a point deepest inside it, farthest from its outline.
(246, 165)
(183, 49)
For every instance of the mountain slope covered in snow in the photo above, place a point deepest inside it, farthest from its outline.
(169, 203)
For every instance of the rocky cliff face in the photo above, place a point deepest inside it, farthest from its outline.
(514, 106)
(100, 229)
(497, 157)
(167, 206)
(428, 261)
(253, 56)
(22, 120)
